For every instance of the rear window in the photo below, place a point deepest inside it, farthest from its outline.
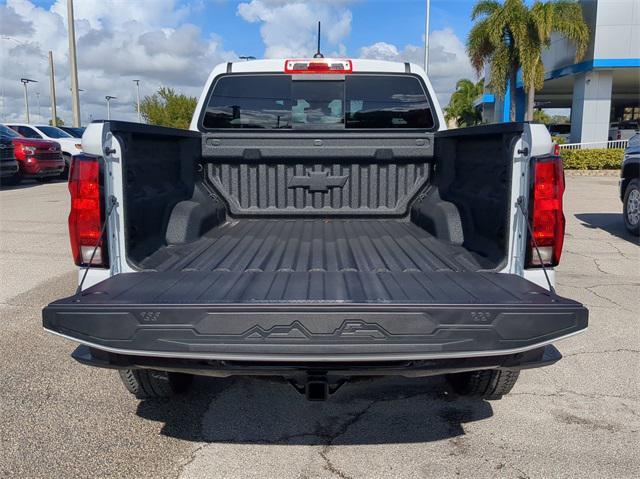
(53, 132)
(279, 101)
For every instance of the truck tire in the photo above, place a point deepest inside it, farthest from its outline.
(151, 384)
(64, 174)
(486, 384)
(631, 207)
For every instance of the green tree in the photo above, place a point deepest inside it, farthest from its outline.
(509, 35)
(168, 108)
(59, 121)
(461, 104)
(540, 116)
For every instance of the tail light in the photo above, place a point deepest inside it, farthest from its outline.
(325, 65)
(545, 212)
(86, 216)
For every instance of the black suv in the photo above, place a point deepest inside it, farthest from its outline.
(8, 163)
(630, 185)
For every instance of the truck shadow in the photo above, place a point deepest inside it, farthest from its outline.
(262, 411)
(24, 184)
(612, 223)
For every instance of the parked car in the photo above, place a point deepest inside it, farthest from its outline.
(630, 185)
(75, 132)
(623, 130)
(70, 146)
(560, 130)
(38, 159)
(8, 163)
(318, 223)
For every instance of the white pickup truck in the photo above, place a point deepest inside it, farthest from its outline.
(317, 223)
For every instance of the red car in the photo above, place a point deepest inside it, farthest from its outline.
(38, 159)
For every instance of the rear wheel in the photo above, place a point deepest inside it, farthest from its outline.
(486, 384)
(631, 207)
(149, 383)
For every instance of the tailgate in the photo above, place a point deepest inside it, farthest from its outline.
(317, 315)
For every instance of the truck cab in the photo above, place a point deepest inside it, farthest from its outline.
(318, 222)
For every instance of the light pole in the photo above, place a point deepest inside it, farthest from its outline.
(426, 37)
(73, 63)
(109, 98)
(26, 81)
(38, 101)
(52, 87)
(137, 82)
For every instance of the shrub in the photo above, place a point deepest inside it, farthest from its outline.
(597, 159)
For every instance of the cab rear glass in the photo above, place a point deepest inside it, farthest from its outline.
(284, 102)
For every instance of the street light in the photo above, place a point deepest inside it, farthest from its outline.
(25, 81)
(137, 82)
(38, 99)
(426, 37)
(247, 57)
(109, 98)
(73, 63)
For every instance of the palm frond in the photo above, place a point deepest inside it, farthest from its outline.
(569, 22)
(485, 7)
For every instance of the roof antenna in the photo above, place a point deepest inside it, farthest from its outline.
(318, 54)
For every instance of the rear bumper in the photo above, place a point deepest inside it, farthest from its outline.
(535, 358)
(41, 168)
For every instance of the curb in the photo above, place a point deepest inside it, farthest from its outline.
(592, 172)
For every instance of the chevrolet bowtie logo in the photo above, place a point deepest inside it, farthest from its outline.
(318, 181)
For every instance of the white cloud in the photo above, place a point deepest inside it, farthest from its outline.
(116, 41)
(289, 27)
(448, 61)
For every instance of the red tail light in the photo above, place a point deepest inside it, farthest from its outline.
(85, 218)
(545, 212)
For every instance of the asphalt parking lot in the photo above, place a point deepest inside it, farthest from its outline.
(579, 418)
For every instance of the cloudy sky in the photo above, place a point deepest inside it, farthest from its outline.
(177, 42)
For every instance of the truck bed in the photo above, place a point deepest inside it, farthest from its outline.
(315, 245)
(340, 248)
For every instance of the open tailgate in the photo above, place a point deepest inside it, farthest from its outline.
(311, 316)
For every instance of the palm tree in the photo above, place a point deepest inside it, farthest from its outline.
(563, 17)
(461, 104)
(510, 35)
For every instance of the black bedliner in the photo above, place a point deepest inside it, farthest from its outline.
(292, 315)
(306, 245)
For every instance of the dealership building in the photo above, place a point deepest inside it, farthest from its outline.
(602, 88)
